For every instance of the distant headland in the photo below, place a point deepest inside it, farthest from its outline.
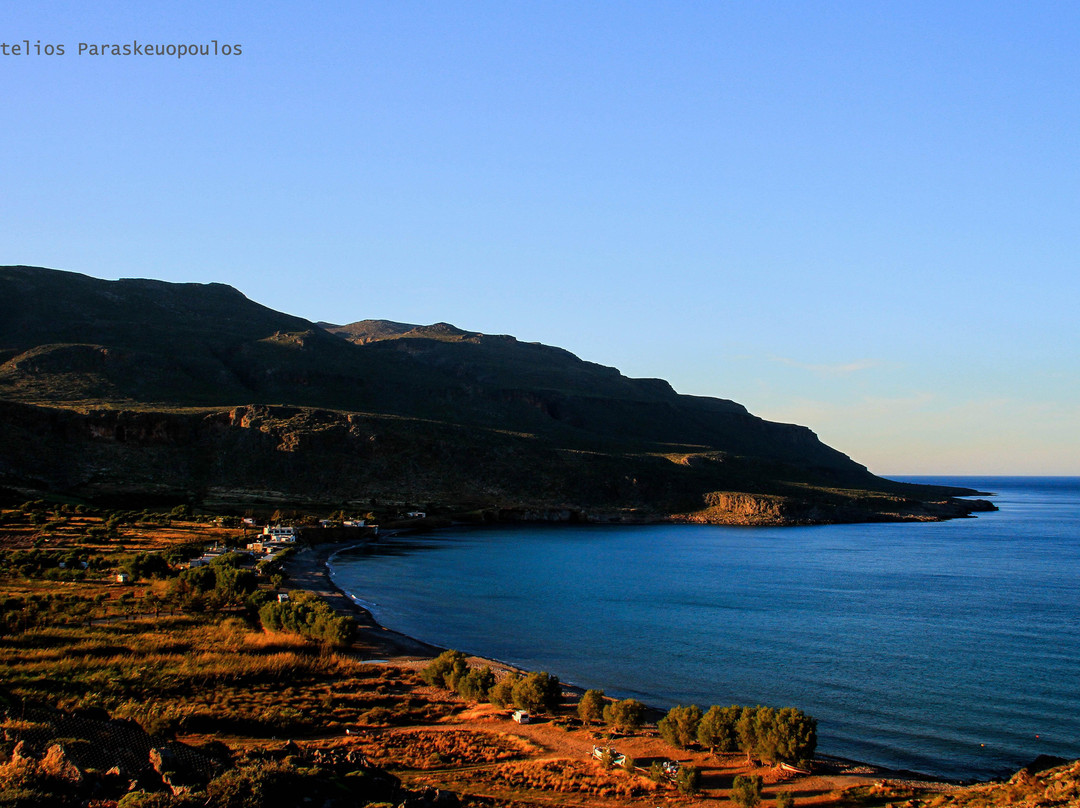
(192, 393)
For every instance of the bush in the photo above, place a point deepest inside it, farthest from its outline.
(259, 785)
(308, 615)
(147, 565)
(787, 734)
(746, 790)
(785, 799)
(180, 512)
(475, 684)
(688, 780)
(717, 729)
(145, 799)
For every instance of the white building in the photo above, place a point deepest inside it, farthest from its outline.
(285, 534)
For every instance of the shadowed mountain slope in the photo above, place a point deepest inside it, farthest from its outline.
(471, 418)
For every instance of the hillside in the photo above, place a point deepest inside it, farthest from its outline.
(188, 391)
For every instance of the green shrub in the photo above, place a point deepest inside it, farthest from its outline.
(308, 615)
(502, 694)
(746, 790)
(257, 785)
(688, 780)
(716, 729)
(145, 799)
(476, 684)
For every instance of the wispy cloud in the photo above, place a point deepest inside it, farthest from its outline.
(838, 369)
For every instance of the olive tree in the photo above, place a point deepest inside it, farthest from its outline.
(626, 715)
(537, 692)
(591, 706)
(680, 726)
(716, 730)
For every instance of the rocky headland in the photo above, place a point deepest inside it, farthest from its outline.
(137, 389)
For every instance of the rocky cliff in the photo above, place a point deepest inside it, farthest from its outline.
(132, 388)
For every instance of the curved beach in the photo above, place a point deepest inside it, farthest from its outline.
(309, 569)
(882, 632)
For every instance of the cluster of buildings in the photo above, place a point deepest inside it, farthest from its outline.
(273, 540)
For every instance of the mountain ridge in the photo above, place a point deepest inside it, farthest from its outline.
(73, 343)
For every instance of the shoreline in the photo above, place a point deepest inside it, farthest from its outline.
(309, 569)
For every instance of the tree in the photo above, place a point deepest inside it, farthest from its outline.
(679, 727)
(476, 683)
(537, 692)
(688, 780)
(607, 758)
(746, 730)
(625, 715)
(746, 790)
(591, 706)
(154, 602)
(796, 736)
(445, 670)
(502, 694)
(307, 614)
(717, 729)
(785, 799)
(766, 739)
(180, 513)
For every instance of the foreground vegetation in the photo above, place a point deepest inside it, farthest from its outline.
(200, 686)
(107, 642)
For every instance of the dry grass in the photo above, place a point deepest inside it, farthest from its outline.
(433, 749)
(195, 675)
(567, 777)
(1056, 788)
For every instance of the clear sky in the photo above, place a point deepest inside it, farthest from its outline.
(860, 216)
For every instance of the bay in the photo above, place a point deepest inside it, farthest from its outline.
(949, 648)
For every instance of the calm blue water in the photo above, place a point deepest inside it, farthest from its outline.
(951, 648)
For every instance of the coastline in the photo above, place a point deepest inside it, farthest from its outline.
(309, 570)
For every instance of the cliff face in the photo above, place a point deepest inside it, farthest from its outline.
(322, 458)
(122, 388)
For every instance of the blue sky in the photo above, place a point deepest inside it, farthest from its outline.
(862, 217)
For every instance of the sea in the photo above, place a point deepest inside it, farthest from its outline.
(947, 648)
